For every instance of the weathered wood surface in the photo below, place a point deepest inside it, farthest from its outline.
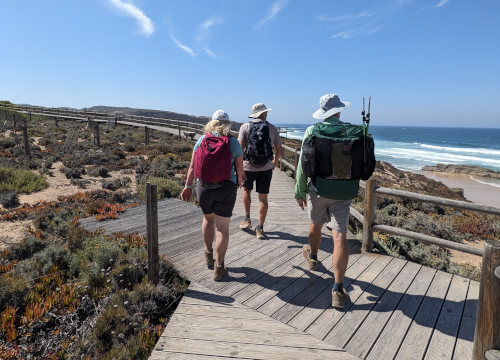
(397, 309)
(220, 328)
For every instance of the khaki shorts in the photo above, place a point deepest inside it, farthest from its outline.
(333, 213)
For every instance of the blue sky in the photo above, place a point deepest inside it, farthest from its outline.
(424, 62)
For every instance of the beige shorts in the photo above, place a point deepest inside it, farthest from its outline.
(333, 213)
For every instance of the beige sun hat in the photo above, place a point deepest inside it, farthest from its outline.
(257, 110)
(329, 105)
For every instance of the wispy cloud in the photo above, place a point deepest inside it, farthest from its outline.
(127, 8)
(435, 6)
(346, 34)
(206, 26)
(209, 52)
(275, 9)
(364, 14)
(184, 48)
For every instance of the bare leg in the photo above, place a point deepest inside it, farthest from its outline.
(315, 238)
(247, 200)
(340, 256)
(262, 208)
(207, 229)
(222, 238)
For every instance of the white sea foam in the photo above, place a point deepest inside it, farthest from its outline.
(485, 182)
(444, 157)
(463, 150)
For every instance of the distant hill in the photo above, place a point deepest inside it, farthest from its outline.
(151, 113)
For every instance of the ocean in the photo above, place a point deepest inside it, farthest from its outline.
(410, 148)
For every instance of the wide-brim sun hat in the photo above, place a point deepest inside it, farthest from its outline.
(220, 115)
(329, 105)
(258, 109)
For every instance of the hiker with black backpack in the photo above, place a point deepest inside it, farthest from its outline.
(217, 165)
(334, 156)
(257, 139)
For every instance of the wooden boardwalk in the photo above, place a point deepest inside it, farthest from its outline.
(397, 309)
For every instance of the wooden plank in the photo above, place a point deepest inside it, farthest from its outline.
(445, 333)
(262, 337)
(283, 282)
(418, 336)
(162, 355)
(296, 287)
(254, 288)
(344, 330)
(251, 351)
(395, 330)
(308, 294)
(323, 301)
(367, 334)
(330, 317)
(465, 340)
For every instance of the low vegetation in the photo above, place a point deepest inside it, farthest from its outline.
(66, 293)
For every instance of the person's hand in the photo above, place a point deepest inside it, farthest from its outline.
(186, 194)
(241, 180)
(274, 164)
(302, 203)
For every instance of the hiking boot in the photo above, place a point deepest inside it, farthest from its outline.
(339, 298)
(259, 232)
(219, 272)
(209, 258)
(246, 224)
(312, 263)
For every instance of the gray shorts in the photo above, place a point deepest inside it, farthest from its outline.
(333, 213)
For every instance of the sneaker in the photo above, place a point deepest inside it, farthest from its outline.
(306, 251)
(339, 298)
(259, 232)
(219, 272)
(246, 224)
(209, 258)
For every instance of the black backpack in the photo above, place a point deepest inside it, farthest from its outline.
(338, 153)
(259, 149)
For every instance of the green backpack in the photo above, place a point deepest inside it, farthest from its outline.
(338, 152)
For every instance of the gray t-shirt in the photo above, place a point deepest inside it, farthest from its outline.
(274, 136)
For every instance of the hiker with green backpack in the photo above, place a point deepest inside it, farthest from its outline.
(334, 157)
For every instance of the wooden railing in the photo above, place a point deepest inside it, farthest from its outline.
(487, 332)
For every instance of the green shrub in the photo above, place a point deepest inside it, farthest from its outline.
(166, 188)
(9, 199)
(98, 171)
(21, 181)
(13, 289)
(7, 142)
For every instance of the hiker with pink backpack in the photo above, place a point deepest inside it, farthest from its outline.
(217, 165)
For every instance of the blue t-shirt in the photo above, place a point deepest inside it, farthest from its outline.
(235, 150)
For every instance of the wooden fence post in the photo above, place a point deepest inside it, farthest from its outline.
(152, 233)
(14, 117)
(296, 163)
(487, 332)
(146, 129)
(97, 135)
(26, 139)
(56, 121)
(369, 216)
(179, 127)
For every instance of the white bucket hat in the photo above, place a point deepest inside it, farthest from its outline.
(220, 115)
(257, 110)
(329, 105)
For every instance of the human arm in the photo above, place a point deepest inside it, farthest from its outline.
(187, 193)
(277, 156)
(240, 174)
(301, 179)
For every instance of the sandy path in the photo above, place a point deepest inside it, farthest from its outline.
(12, 232)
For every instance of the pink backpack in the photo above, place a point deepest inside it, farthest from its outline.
(213, 159)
